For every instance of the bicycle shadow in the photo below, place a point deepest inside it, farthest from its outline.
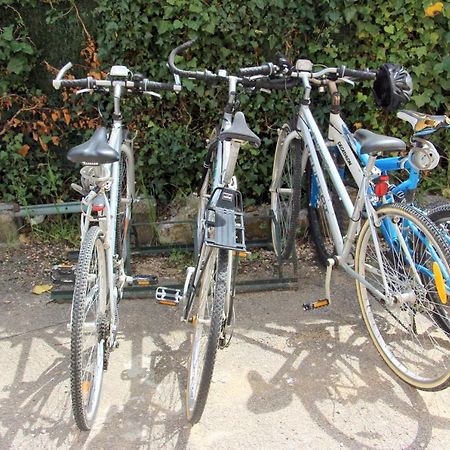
(35, 401)
(153, 414)
(330, 365)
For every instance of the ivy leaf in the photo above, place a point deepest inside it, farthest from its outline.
(420, 100)
(17, 64)
(163, 26)
(177, 24)
(389, 29)
(444, 66)
(349, 13)
(7, 34)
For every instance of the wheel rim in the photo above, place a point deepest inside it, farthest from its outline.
(201, 333)
(282, 201)
(92, 341)
(406, 332)
(123, 210)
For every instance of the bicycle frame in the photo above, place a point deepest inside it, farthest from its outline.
(350, 150)
(222, 176)
(107, 176)
(315, 144)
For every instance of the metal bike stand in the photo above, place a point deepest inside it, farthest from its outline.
(293, 258)
(279, 282)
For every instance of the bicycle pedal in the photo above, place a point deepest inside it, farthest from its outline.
(145, 280)
(63, 273)
(168, 296)
(316, 305)
(242, 254)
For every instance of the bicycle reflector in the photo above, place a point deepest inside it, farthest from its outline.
(98, 207)
(381, 185)
(440, 283)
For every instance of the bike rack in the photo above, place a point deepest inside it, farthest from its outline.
(279, 282)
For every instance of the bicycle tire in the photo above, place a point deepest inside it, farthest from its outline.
(285, 199)
(404, 328)
(124, 207)
(439, 213)
(211, 302)
(88, 337)
(318, 225)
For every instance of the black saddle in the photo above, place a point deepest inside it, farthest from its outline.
(374, 143)
(240, 131)
(94, 151)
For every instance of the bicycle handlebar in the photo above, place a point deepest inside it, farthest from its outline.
(244, 73)
(361, 75)
(137, 86)
(200, 75)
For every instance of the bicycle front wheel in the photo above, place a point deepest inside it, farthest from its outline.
(124, 207)
(285, 198)
(89, 329)
(407, 259)
(208, 322)
(317, 216)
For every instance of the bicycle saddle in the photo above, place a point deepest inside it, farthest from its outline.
(94, 151)
(424, 122)
(240, 131)
(374, 143)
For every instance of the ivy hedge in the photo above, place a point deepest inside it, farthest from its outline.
(38, 125)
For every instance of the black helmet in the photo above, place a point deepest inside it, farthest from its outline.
(392, 87)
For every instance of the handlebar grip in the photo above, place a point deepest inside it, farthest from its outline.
(273, 84)
(264, 69)
(158, 86)
(205, 75)
(181, 48)
(81, 83)
(283, 83)
(358, 74)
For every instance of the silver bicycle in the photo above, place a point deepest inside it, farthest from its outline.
(209, 288)
(107, 189)
(401, 260)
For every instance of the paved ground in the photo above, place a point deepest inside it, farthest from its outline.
(289, 379)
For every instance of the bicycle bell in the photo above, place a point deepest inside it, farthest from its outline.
(423, 155)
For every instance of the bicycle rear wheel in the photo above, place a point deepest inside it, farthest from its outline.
(89, 327)
(208, 321)
(285, 199)
(404, 327)
(317, 216)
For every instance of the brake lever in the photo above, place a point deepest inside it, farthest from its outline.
(177, 79)
(154, 94)
(57, 81)
(83, 91)
(348, 81)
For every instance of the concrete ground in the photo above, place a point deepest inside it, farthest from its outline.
(289, 379)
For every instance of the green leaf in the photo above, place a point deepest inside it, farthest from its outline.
(389, 29)
(17, 64)
(443, 66)
(177, 24)
(7, 34)
(349, 13)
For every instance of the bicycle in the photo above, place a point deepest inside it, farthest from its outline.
(107, 189)
(209, 288)
(401, 261)
(345, 149)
